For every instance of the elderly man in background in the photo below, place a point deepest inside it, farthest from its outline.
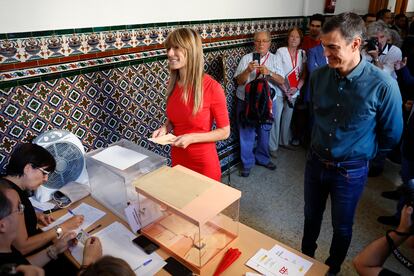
(246, 71)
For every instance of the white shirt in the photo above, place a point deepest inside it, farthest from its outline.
(388, 57)
(270, 63)
(285, 65)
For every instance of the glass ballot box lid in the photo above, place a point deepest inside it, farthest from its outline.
(112, 170)
(189, 215)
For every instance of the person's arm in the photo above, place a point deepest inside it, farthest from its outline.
(370, 260)
(163, 130)
(91, 253)
(218, 108)
(243, 76)
(389, 117)
(46, 255)
(26, 244)
(30, 270)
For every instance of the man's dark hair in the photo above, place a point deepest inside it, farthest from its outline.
(29, 153)
(317, 17)
(5, 204)
(365, 16)
(381, 13)
(349, 24)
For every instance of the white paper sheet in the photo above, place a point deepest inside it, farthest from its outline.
(116, 241)
(303, 264)
(119, 157)
(271, 265)
(164, 140)
(43, 206)
(91, 215)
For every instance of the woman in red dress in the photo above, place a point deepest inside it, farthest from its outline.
(194, 101)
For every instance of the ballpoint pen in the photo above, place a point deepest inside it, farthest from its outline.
(71, 212)
(93, 229)
(144, 263)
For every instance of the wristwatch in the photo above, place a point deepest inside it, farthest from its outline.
(376, 60)
(59, 231)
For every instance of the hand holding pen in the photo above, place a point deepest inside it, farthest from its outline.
(72, 223)
(92, 251)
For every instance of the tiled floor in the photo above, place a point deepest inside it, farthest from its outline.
(272, 202)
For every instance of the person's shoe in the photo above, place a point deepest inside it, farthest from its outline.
(288, 147)
(393, 195)
(271, 166)
(273, 153)
(388, 220)
(244, 172)
(295, 142)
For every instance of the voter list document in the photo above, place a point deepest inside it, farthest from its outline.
(116, 241)
(90, 214)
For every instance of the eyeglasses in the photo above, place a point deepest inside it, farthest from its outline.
(20, 210)
(44, 172)
(261, 41)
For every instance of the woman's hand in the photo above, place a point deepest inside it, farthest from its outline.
(264, 70)
(64, 242)
(92, 251)
(398, 65)
(72, 223)
(44, 219)
(183, 141)
(405, 221)
(160, 132)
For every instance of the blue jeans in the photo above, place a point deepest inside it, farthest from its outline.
(248, 153)
(344, 183)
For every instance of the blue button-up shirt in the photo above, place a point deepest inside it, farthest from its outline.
(355, 116)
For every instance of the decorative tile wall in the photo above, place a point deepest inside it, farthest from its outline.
(102, 100)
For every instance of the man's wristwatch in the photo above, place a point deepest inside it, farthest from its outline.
(59, 231)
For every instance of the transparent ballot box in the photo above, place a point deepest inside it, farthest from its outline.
(112, 170)
(189, 215)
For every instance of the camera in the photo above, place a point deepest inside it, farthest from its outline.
(371, 44)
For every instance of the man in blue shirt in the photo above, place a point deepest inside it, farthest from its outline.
(357, 112)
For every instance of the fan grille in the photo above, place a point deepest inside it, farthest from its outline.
(69, 164)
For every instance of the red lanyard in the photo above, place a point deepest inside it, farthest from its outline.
(262, 63)
(296, 58)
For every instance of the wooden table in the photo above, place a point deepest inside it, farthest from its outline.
(248, 242)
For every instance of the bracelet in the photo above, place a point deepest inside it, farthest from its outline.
(51, 252)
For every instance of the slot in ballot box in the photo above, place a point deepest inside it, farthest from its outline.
(189, 215)
(112, 170)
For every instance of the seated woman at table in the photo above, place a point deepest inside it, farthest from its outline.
(108, 266)
(28, 168)
(194, 101)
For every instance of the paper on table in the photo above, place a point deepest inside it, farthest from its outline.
(91, 215)
(164, 140)
(303, 264)
(269, 264)
(119, 157)
(43, 206)
(116, 241)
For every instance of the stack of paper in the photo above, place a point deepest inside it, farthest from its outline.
(116, 241)
(90, 216)
(278, 261)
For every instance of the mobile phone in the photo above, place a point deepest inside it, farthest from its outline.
(256, 57)
(175, 268)
(145, 244)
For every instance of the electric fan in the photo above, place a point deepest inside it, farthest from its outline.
(68, 152)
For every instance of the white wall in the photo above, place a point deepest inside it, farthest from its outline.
(410, 6)
(38, 15)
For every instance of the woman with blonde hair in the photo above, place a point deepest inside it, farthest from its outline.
(194, 101)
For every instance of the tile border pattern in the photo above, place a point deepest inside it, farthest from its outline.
(39, 55)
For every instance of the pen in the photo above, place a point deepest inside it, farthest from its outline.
(71, 212)
(93, 229)
(145, 263)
